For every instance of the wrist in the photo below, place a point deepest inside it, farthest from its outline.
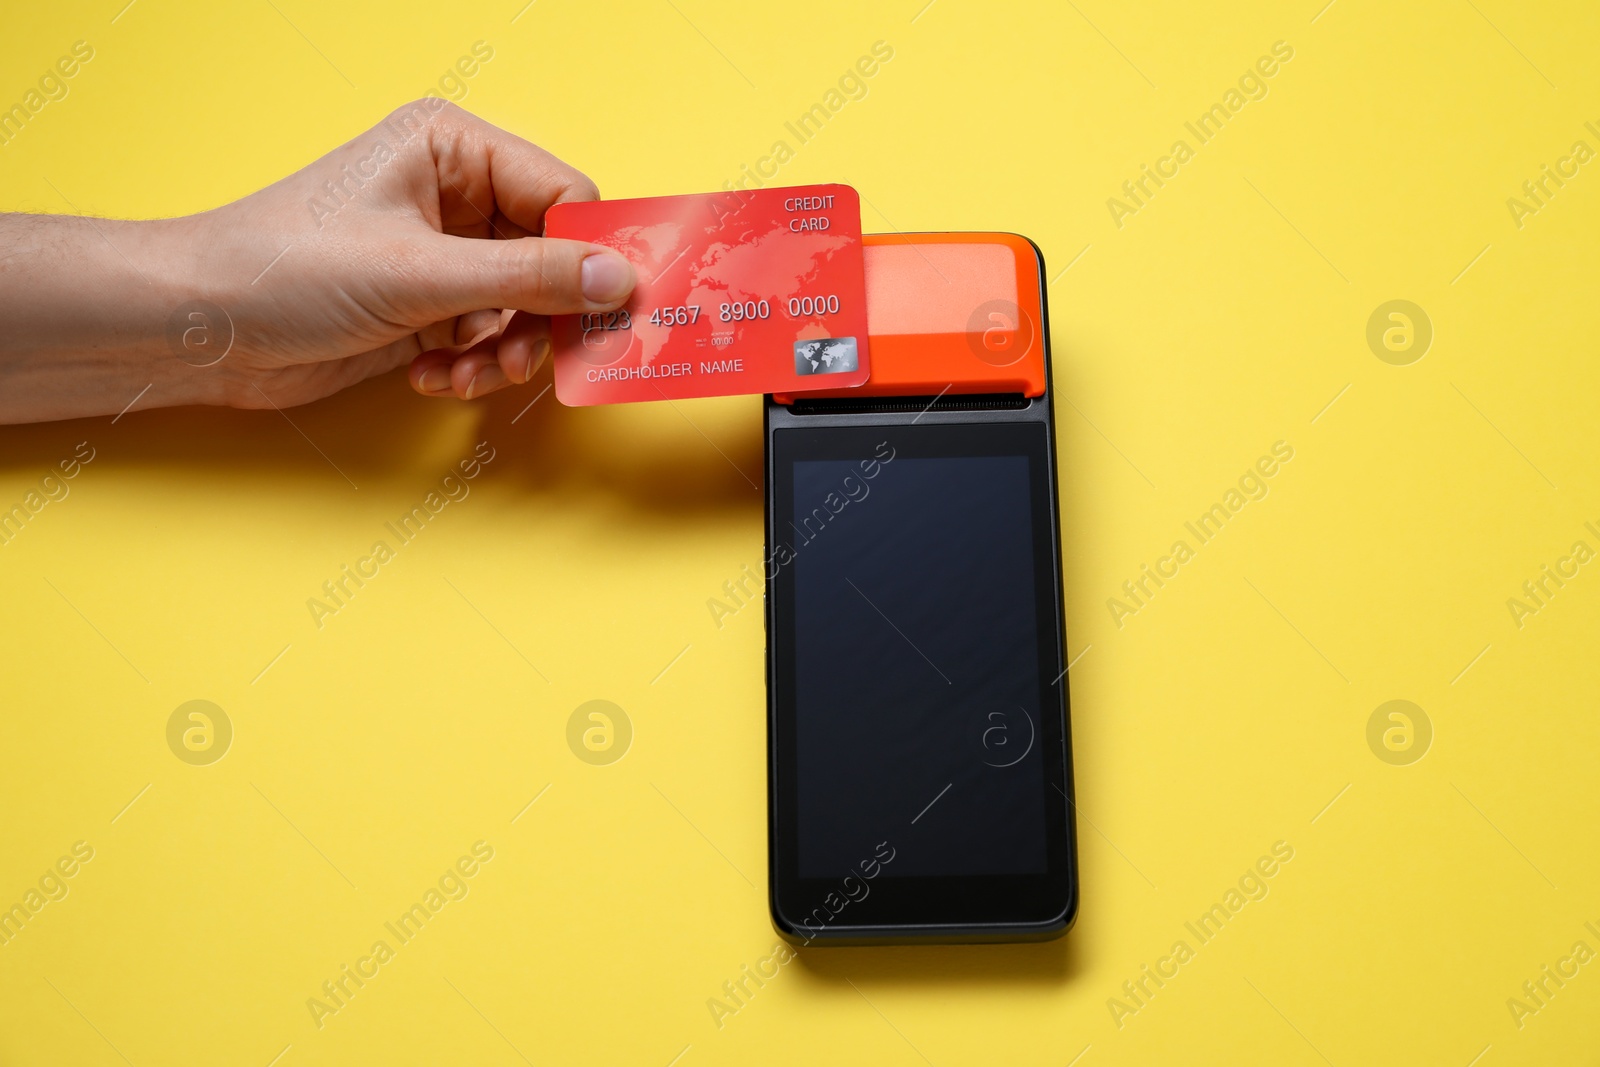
(196, 301)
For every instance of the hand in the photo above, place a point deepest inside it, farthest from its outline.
(415, 242)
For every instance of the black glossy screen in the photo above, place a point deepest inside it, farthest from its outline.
(917, 652)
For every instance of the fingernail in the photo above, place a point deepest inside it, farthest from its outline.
(536, 358)
(486, 380)
(434, 380)
(606, 278)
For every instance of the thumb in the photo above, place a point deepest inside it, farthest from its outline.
(540, 275)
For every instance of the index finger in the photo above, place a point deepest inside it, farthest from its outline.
(496, 171)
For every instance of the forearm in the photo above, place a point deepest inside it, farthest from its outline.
(85, 306)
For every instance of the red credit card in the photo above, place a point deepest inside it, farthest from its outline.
(752, 291)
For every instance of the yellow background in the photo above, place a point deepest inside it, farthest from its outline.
(1226, 715)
